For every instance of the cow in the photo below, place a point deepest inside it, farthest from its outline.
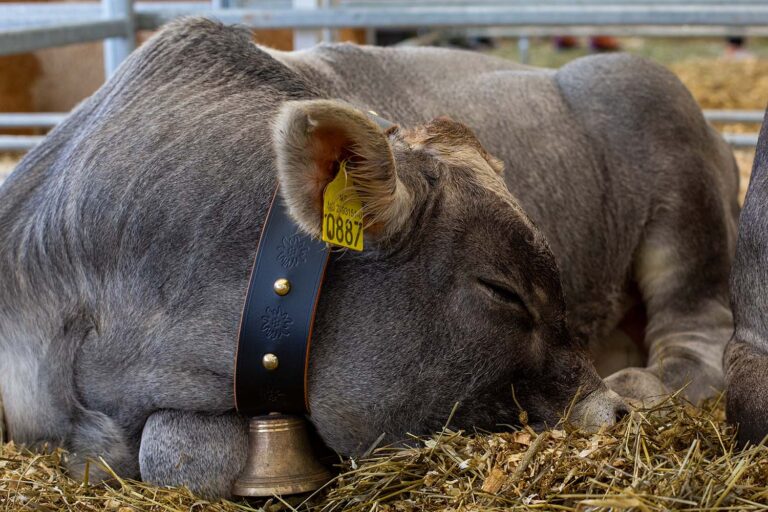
(127, 236)
(746, 356)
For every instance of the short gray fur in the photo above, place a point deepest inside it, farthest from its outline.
(126, 239)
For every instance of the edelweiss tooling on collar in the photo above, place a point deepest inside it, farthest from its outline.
(272, 358)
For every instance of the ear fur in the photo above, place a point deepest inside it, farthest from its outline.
(453, 143)
(311, 138)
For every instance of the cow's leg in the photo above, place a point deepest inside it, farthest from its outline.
(689, 324)
(203, 452)
(746, 359)
(682, 270)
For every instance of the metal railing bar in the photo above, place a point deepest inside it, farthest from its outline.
(741, 140)
(35, 14)
(31, 120)
(516, 15)
(678, 31)
(88, 9)
(473, 3)
(30, 13)
(151, 15)
(19, 40)
(735, 116)
(19, 142)
(117, 49)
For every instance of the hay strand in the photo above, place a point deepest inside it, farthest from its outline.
(673, 456)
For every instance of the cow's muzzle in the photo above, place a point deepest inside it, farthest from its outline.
(601, 407)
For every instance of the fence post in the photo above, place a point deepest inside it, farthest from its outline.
(523, 49)
(304, 38)
(327, 33)
(116, 49)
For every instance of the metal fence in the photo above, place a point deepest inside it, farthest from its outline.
(27, 27)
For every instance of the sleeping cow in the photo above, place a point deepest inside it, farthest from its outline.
(746, 358)
(127, 237)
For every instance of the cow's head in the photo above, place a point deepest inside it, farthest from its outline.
(456, 298)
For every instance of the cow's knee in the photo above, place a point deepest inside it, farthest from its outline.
(747, 391)
(203, 452)
(638, 386)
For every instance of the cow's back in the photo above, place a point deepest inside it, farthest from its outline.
(588, 149)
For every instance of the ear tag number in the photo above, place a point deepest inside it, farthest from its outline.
(342, 212)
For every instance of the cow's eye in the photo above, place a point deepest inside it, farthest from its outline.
(502, 293)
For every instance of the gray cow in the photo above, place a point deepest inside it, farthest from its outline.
(746, 358)
(126, 240)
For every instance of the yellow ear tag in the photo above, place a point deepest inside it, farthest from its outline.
(342, 212)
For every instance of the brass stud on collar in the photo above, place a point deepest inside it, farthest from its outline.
(270, 361)
(282, 286)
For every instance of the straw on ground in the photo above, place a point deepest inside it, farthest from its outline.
(673, 456)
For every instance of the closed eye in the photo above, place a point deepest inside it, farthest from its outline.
(502, 293)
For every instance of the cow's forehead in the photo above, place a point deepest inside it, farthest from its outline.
(454, 144)
(459, 154)
(471, 182)
(469, 176)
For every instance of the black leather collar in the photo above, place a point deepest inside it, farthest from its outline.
(275, 330)
(272, 358)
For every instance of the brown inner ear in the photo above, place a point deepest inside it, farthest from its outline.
(329, 147)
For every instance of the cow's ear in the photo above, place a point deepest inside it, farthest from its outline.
(311, 138)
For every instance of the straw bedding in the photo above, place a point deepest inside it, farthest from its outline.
(673, 456)
(7, 162)
(723, 83)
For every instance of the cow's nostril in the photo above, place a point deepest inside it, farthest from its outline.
(620, 412)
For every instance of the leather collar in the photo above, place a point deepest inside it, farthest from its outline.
(272, 359)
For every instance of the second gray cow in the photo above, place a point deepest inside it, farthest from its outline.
(746, 358)
(127, 236)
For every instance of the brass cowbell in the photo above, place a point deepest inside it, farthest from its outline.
(280, 459)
